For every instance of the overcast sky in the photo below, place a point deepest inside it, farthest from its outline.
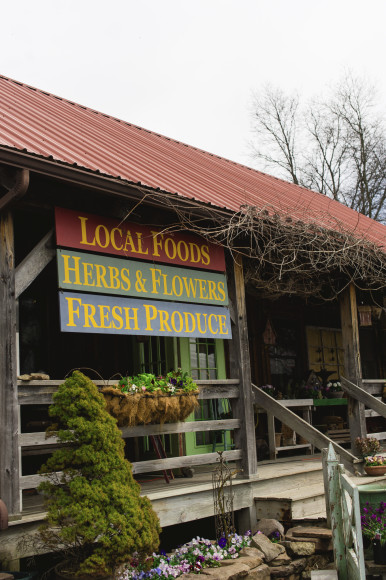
(187, 68)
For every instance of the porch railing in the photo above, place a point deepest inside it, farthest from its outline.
(367, 396)
(40, 393)
(300, 426)
(374, 404)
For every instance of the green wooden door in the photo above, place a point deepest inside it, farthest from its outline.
(204, 359)
(156, 355)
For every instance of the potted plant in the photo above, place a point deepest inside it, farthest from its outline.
(334, 390)
(96, 516)
(373, 523)
(367, 446)
(375, 465)
(269, 389)
(145, 398)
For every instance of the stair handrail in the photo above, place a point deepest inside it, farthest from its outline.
(300, 426)
(363, 396)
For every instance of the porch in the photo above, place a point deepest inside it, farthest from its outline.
(290, 489)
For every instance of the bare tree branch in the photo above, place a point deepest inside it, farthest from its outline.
(336, 147)
(275, 124)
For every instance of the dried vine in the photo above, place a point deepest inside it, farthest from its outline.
(283, 255)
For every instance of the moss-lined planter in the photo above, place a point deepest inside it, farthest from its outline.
(145, 408)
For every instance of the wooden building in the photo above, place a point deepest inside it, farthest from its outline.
(84, 191)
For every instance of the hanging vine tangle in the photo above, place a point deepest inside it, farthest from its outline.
(313, 255)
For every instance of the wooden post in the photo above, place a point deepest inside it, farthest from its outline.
(9, 412)
(331, 477)
(352, 361)
(240, 368)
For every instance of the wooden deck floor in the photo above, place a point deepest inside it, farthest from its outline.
(275, 473)
(155, 486)
(188, 499)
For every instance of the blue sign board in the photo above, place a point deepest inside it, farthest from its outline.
(100, 314)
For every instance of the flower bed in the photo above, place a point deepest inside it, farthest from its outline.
(145, 398)
(241, 557)
(191, 557)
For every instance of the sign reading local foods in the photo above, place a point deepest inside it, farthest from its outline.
(92, 233)
(116, 315)
(118, 294)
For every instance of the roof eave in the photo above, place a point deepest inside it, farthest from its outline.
(97, 181)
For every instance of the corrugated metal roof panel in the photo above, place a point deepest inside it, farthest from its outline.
(48, 126)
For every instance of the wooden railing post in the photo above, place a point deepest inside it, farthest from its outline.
(352, 361)
(333, 508)
(240, 368)
(9, 410)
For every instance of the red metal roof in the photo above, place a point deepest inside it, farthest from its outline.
(44, 125)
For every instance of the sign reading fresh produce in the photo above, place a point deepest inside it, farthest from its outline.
(116, 315)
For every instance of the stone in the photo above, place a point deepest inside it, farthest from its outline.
(299, 548)
(268, 526)
(281, 560)
(251, 556)
(40, 377)
(228, 563)
(299, 565)
(311, 532)
(261, 572)
(321, 544)
(295, 568)
(317, 562)
(269, 549)
(238, 570)
(325, 575)
(281, 572)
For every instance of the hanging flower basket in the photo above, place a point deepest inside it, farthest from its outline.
(146, 399)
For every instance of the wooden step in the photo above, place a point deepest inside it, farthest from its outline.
(297, 503)
(281, 480)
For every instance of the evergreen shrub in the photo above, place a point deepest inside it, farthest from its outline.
(95, 511)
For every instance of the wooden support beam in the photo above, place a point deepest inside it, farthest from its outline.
(39, 439)
(352, 361)
(32, 481)
(9, 410)
(34, 263)
(16, 181)
(240, 367)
